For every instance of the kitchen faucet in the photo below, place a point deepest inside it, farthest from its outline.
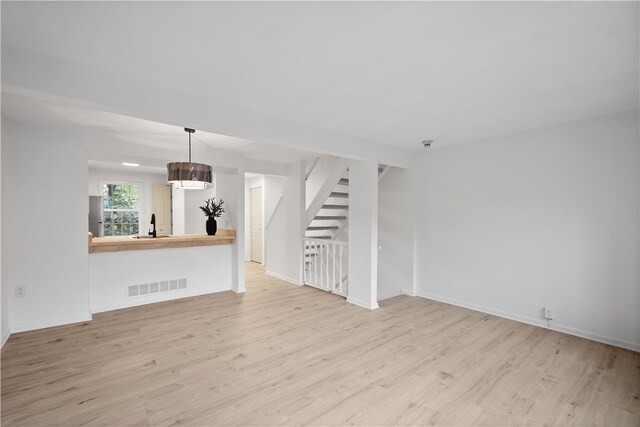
(153, 221)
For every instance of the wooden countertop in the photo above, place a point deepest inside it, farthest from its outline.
(123, 243)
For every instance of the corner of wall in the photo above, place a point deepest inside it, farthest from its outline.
(5, 336)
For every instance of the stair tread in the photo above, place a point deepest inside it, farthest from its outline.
(343, 181)
(323, 227)
(329, 217)
(335, 207)
(339, 194)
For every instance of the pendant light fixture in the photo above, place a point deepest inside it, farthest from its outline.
(188, 175)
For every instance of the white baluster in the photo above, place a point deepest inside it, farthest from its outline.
(320, 262)
(324, 257)
(320, 265)
(333, 258)
(326, 267)
(340, 274)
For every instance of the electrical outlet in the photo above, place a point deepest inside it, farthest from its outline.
(20, 291)
(548, 313)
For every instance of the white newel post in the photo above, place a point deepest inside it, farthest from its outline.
(363, 233)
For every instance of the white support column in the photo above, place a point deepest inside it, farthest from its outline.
(363, 233)
(238, 254)
(297, 173)
(230, 188)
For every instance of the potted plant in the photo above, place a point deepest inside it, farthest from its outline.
(212, 210)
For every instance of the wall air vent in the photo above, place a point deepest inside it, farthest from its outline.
(156, 287)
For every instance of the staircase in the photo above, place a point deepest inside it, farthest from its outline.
(333, 214)
(325, 240)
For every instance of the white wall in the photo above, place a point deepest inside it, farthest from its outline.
(145, 180)
(194, 219)
(206, 268)
(4, 289)
(284, 233)
(397, 204)
(44, 219)
(544, 217)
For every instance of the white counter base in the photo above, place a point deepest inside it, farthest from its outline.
(207, 269)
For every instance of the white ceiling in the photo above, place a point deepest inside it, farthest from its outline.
(119, 167)
(138, 131)
(390, 72)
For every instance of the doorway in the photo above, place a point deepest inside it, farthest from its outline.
(256, 224)
(162, 208)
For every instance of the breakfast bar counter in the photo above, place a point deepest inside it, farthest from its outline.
(129, 271)
(135, 243)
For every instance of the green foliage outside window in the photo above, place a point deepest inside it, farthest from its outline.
(121, 196)
(121, 203)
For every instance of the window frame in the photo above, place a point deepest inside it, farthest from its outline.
(140, 209)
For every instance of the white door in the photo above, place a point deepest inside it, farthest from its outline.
(256, 224)
(162, 208)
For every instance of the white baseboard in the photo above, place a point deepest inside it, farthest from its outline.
(409, 292)
(281, 277)
(363, 304)
(533, 321)
(5, 337)
(386, 297)
(49, 324)
(140, 302)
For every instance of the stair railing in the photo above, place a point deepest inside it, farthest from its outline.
(325, 264)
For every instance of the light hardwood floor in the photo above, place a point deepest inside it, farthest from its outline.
(282, 354)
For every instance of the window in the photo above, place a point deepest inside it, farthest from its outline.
(121, 209)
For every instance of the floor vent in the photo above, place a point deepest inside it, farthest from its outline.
(156, 287)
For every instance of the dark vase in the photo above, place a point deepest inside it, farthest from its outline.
(212, 226)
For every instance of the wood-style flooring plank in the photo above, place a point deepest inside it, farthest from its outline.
(287, 355)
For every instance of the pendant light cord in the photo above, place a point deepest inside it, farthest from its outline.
(189, 147)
